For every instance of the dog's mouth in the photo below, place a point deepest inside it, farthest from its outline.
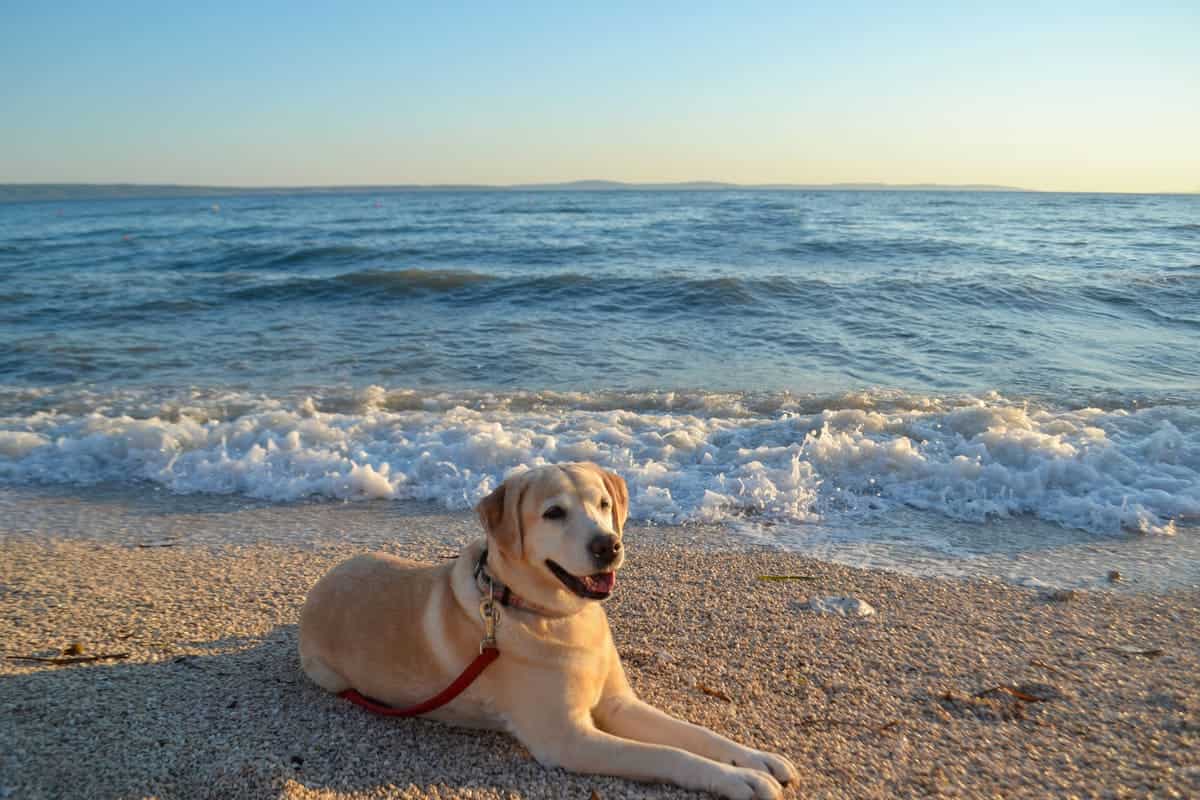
(592, 587)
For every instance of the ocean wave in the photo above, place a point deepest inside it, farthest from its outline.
(393, 283)
(225, 255)
(377, 228)
(681, 291)
(1166, 298)
(687, 456)
(324, 253)
(667, 291)
(408, 279)
(928, 249)
(539, 210)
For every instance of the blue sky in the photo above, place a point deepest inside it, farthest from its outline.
(1087, 96)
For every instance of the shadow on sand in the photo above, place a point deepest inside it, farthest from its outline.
(242, 722)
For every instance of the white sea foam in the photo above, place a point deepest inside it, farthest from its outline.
(686, 457)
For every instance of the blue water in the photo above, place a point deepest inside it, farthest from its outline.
(1070, 296)
(895, 373)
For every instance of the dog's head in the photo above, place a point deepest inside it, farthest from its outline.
(556, 532)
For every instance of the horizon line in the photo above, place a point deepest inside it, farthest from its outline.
(472, 184)
(45, 188)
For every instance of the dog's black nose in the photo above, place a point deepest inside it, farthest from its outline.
(605, 548)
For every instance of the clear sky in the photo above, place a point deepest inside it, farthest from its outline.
(1083, 96)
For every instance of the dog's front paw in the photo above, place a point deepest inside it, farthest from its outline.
(739, 783)
(777, 767)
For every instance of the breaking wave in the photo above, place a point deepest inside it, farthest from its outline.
(687, 456)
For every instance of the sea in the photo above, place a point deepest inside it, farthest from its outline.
(1000, 384)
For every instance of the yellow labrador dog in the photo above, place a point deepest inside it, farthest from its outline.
(401, 631)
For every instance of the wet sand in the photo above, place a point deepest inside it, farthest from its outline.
(953, 688)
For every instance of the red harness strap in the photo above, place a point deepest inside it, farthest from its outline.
(486, 656)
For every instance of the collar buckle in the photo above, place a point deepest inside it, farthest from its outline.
(487, 604)
(494, 593)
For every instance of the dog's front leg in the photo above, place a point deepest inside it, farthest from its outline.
(625, 715)
(574, 743)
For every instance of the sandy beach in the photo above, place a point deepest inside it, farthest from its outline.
(953, 688)
(882, 322)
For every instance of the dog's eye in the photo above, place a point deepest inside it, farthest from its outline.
(554, 512)
(604, 503)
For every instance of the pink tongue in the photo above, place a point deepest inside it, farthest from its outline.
(604, 582)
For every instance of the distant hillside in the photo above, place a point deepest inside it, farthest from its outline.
(717, 186)
(50, 192)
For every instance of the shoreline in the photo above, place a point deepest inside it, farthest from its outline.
(971, 688)
(1023, 551)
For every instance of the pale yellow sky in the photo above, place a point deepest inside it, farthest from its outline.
(1096, 96)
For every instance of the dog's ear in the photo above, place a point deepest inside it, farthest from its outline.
(500, 513)
(620, 497)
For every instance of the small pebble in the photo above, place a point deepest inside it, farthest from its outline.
(845, 606)
(1062, 595)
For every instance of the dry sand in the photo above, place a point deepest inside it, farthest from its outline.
(211, 701)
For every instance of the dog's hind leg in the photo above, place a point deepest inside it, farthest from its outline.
(321, 673)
